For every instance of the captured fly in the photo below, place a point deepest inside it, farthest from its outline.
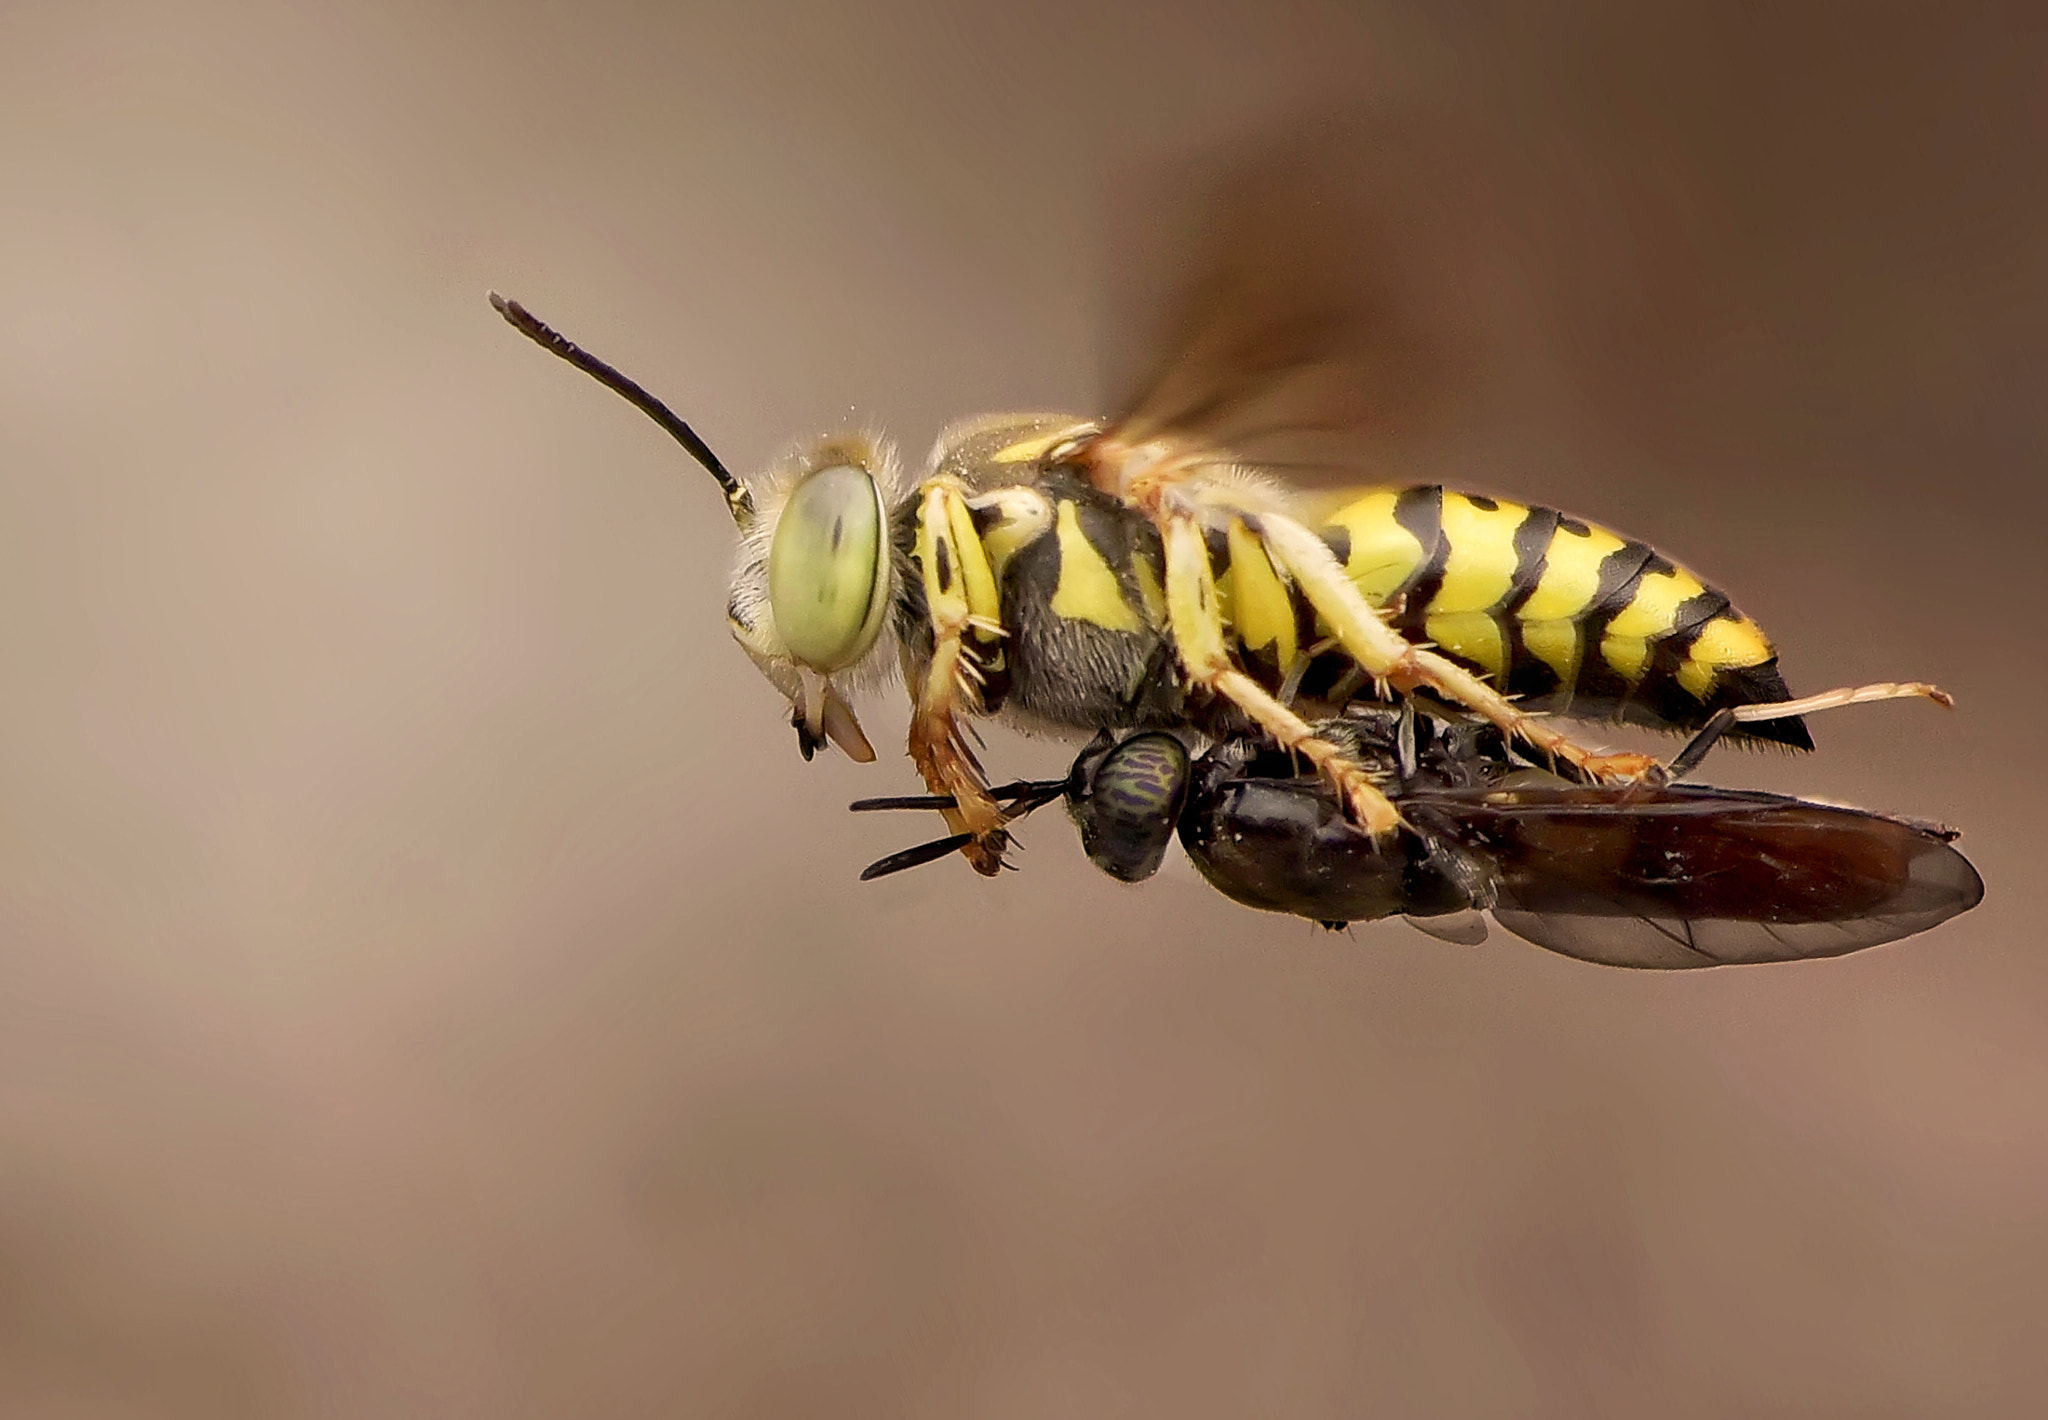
(1668, 876)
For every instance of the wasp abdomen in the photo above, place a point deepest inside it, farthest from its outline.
(1566, 615)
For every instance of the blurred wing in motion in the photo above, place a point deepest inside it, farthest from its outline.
(1299, 308)
(1692, 876)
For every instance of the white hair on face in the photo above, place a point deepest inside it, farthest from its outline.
(749, 606)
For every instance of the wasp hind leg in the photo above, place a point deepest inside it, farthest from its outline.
(966, 620)
(1196, 622)
(1385, 654)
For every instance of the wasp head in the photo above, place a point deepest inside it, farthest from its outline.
(813, 583)
(815, 575)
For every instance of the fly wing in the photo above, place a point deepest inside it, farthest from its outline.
(1692, 876)
(1296, 304)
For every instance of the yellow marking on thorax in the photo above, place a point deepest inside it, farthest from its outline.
(1023, 516)
(1471, 635)
(1480, 568)
(1260, 608)
(1571, 575)
(1031, 450)
(1088, 588)
(1654, 609)
(1383, 553)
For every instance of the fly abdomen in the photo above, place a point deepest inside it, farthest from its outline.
(1566, 615)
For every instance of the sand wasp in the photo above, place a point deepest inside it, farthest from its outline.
(1669, 876)
(1143, 574)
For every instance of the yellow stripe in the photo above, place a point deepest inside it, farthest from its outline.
(1481, 566)
(1383, 553)
(1697, 677)
(1471, 635)
(1556, 644)
(948, 601)
(1191, 598)
(1731, 641)
(1088, 589)
(1030, 450)
(1627, 654)
(1149, 590)
(1261, 610)
(977, 578)
(1571, 575)
(1655, 607)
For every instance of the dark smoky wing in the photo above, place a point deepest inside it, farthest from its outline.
(1691, 876)
(1296, 303)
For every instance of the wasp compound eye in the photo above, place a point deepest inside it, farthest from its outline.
(828, 568)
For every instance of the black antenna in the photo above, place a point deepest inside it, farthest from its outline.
(540, 333)
(915, 857)
(1025, 796)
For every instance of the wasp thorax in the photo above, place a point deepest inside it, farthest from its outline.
(828, 565)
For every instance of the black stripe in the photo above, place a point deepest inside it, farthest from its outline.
(1532, 555)
(1620, 571)
(1692, 617)
(942, 555)
(1108, 534)
(1217, 540)
(1660, 702)
(1529, 675)
(1420, 513)
(1304, 622)
(1759, 685)
(1337, 538)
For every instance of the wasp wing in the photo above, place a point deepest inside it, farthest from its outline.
(1296, 305)
(1693, 876)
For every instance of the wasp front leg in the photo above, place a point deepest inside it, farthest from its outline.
(1389, 656)
(965, 611)
(1194, 618)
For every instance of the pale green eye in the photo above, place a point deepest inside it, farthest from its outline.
(828, 568)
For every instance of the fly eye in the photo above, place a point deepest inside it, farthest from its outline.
(1133, 798)
(828, 568)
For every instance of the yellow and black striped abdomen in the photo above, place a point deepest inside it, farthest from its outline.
(1568, 616)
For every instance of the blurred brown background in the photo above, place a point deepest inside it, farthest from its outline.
(430, 984)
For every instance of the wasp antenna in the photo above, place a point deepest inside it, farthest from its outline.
(542, 334)
(915, 857)
(902, 801)
(1030, 795)
(1033, 793)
